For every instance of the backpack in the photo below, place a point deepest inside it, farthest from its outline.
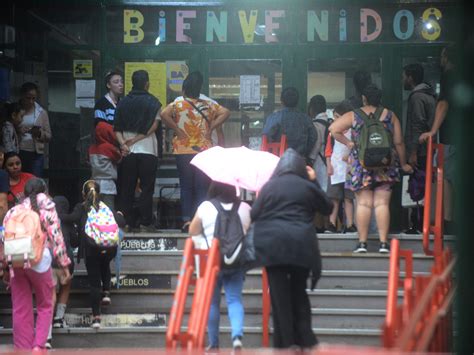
(24, 239)
(228, 229)
(416, 185)
(322, 132)
(375, 144)
(101, 228)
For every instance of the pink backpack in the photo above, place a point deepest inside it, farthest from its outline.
(23, 238)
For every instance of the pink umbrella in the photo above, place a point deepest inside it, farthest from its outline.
(241, 167)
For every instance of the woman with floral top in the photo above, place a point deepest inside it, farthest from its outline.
(192, 119)
(38, 278)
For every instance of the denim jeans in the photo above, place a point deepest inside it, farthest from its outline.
(233, 284)
(193, 184)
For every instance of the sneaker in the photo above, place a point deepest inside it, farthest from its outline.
(331, 228)
(49, 344)
(411, 230)
(384, 248)
(351, 229)
(96, 323)
(106, 301)
(58, 323)
(360, 248)
(237, 343)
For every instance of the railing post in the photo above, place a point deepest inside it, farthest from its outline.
(265, 309)
(439, 212)
(391, 318)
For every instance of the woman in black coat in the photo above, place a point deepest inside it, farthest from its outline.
(286, 243)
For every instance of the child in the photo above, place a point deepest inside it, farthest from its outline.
(104, 156)
(232, 280)
(38, 277)
(97, 258)
(336, 158)
(11, 127)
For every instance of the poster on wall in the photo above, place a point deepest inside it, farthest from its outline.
(249, 89)
(82, 68)
(177, 71)
(85, 93)
(156, 74)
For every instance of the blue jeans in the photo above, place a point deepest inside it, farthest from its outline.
(233, 284)
(193, 184)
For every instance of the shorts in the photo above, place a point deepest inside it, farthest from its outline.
(338, 192)
(57, 275)
(379, 186)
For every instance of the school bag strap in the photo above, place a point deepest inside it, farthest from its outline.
(201, 111)
(375, 115)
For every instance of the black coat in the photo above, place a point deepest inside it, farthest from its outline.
(283, 215)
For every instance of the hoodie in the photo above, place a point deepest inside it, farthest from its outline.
(50, 224)
(103, 156)
(420, 116)
(71, 239)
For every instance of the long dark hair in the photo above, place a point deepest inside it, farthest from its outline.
(33, 188)
(91, 194)
(8, 156)
(224, 193)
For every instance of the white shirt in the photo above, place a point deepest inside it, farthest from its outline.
(26, 141)
(45, 262)
(148, 145)
(208, 214)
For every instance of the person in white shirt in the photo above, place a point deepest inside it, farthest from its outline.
(203, 224)
(35, 129)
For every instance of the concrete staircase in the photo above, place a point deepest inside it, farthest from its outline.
(348, 305)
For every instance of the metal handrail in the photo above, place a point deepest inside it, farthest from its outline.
(205, 279)
(437, 228)
(424, 305)
(422, 321)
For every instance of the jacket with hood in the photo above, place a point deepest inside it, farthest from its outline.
(103, 156)
(51, 226)
(420, 116)
(283, 215)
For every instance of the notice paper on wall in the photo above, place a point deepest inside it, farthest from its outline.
(249, 89)
(156, 75)
(85, 93)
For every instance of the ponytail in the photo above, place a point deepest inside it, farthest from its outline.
(33, 188)
(91, 194)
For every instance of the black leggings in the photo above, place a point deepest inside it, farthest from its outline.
(98, 273)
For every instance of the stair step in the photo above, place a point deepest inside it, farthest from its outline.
(174, 240)
(324, 318)
(331, 279)
(171, 261)
(154, 299)
(148, 337)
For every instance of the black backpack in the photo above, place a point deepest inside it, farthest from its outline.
(228, 229)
